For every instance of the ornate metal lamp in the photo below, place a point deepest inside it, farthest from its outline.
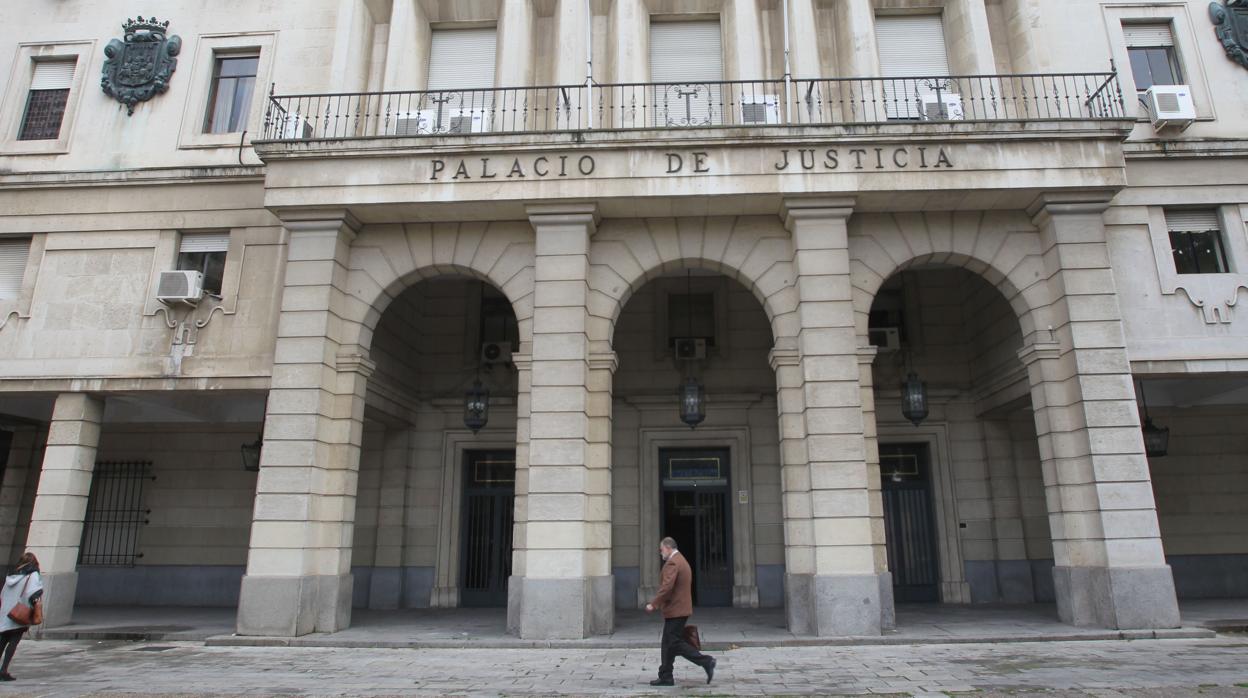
(914, 399)
(692, 402)
(251, 455)
(476, 406)
(692, 394)
(1156, 439)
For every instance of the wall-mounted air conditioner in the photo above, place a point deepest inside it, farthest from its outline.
(1170, 105)
(947, 108)
(295, 127)
(493, 353)
(690, 348)
(465, 121)
(413, 123)
(885, 339)
(180, 286)
(760, 109)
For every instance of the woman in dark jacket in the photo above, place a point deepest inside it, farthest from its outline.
(25, 585)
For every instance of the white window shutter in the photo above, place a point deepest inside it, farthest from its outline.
(1151, 35)
(462, 59)
(53, 75)
(13, 255)
(686, 52)
(911, 46)
(1193, 220)
(205, 242)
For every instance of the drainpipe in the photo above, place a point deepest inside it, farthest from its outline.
(788, 77)
(589, 59)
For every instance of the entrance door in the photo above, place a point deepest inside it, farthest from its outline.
(489, 501)
(905, 473)
(696, 513)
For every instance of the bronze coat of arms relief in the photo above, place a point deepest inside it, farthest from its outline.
(140, 65)
(1230, 19)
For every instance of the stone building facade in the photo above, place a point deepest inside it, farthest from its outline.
(582, 207)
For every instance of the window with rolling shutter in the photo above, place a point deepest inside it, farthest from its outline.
(691, 55)
(1196, 241)
(462, 59)
(1154, 60)
(913, 53)
(45, 105)
(205, 253)
(13, 255)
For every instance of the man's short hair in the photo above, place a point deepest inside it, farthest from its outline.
(669, 542)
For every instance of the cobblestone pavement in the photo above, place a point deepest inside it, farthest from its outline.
(1149, 668)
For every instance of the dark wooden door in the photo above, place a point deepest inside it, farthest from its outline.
(485, 539)
(905, 473)
(697, 513)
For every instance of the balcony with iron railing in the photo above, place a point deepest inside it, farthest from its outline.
(562, 109)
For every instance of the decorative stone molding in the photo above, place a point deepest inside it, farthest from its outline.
(140, 65)
(1037, 351)
(778, 357)
(355, 359)
(1213, 294)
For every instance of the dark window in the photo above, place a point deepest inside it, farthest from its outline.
(205, 253)
(45, 105)
(691, 315)
(498, 321)
(1154, 65)
(229, 102)
(1196, 242)
(115, 514)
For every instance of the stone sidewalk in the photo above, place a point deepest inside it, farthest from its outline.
(1153, 669)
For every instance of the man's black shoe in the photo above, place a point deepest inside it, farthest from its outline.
(662, 682)
(710, 670)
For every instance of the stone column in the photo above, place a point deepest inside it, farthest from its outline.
(857, 54)
(561, 585)
(804, 41)
(25, 452)
(743, 42)
(298, 577)
(61, 500)
(514, 64)
(866, 391)
(1110, 568)
(571, 27)
(834, 589)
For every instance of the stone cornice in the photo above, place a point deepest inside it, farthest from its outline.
(133, 177)
(1038, 351)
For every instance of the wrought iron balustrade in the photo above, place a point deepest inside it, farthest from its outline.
(748, 103)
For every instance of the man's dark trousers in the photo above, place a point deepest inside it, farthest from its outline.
(674, 645)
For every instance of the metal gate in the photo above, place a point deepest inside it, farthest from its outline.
(489, 501)
(696, 513)
(905, 473)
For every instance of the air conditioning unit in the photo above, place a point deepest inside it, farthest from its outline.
(760, 109)
(180, 286)
(885, 339)
(414, 123)
(947, 108)
(295, 127)
(465, 121)
(1170, 105)
(493, 353)
(690, 348)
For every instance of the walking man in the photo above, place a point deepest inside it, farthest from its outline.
(675, 599)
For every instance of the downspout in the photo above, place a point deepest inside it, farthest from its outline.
(589, 60)
(788, 76)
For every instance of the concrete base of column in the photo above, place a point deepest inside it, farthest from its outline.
(888, 607)
(294, 606)
(560, 609)
(59, 591)
(836, 605)
(1119, 598)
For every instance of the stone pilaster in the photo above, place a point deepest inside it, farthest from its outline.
(25, 452)
(1110, 568)
(836, 590)
(561, 581)
(1013, 578)
(870, 433)
(386, 581)
(298, 577)
(61, 501)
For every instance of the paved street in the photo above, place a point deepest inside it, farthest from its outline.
(1162, 668)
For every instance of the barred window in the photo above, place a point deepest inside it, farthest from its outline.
(45, 105)
(115, 514)
(1196, 241)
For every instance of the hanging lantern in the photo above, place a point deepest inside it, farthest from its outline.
(1156, 439)
(476, 406)
(914, 399)
(692, 403)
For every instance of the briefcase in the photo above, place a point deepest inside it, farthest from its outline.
(692, 637)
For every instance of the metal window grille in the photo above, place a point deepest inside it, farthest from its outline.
(115, 514)
(45, 109)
